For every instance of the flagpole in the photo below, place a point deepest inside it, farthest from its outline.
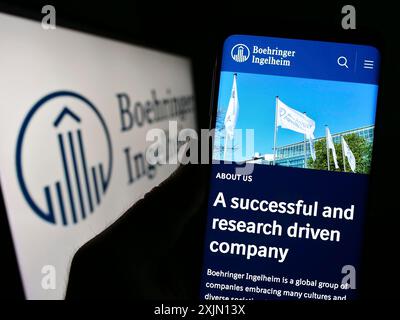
(344, 158)
(327, 148)
(276, 128)
(305, 149)
(233, 145)
(233, 136)
(225, 146)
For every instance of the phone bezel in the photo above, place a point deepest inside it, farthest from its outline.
(353, 38)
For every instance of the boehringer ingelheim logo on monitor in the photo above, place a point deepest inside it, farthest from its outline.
(64, 158)
(240, 53)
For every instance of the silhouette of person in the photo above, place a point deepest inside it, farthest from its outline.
(154, 250)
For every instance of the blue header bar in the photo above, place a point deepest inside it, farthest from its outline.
(301, 58)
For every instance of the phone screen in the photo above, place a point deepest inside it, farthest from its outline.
(294, 132)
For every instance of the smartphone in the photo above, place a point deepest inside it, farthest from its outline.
(294, 131)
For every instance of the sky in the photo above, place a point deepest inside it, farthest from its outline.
(340, 105)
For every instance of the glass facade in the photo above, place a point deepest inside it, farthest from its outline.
(293, 155)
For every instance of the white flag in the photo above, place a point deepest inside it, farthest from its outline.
(312, 149)
(331, 146)
(232, 112)
(292, 119)
(350, 156)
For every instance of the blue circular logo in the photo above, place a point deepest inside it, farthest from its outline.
(240, 52)
(64, 158)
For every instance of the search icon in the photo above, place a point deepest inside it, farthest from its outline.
(342, 61)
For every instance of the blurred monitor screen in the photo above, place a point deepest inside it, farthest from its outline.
(75, 110)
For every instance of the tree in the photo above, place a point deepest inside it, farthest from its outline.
(360, 147)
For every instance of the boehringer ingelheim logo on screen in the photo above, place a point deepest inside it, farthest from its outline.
(64, 158)
(240, 53)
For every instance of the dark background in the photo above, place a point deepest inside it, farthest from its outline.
(196, 29)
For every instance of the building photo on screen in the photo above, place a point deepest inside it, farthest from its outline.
(324, 118)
